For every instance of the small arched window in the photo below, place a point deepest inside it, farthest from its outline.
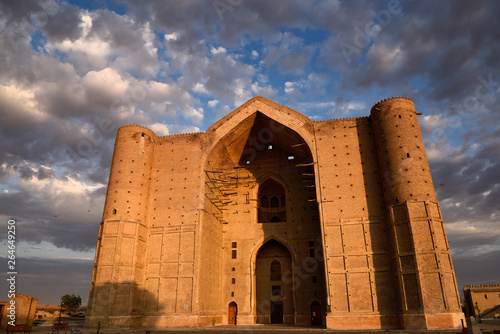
(264, 202)
(271, 202)
(275, 270)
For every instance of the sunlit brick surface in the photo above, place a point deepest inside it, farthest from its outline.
(299, 222)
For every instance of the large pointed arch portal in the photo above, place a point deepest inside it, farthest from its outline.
(260, 189)
(274, 284)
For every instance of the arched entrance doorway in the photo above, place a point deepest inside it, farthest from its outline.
(316, 314)
(274, 284)
(232, 313)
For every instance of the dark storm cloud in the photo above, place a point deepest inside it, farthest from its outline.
(111, 27)
(70, 223)
(65, 23)
(56, 21)
(45, 173)
(447, 44)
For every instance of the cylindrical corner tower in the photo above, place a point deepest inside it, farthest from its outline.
(428, 292)
(119, 263)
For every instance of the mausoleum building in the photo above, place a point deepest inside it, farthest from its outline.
(271, 217)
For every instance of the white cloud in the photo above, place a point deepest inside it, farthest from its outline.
(292, 86)
(160, 129)
(171, 37)
(255, 54)
(196, 115)
(199, 88)
(106, 82)
(95, 50)
(218, 50)
(21, 102)
(118, 42)
(431, 122)
(267, 91)
(213, 103)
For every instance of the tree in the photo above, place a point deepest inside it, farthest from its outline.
(71, 302)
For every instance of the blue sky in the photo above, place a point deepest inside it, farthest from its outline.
(72, 72)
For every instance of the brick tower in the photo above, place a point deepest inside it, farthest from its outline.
(121, 246)
(427, 289)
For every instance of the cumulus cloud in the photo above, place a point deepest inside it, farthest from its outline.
(70, 76)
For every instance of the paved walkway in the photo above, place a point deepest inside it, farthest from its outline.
(246, 329)
(487, 325)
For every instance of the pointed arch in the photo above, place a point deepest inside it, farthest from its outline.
(232, 316)
(275, 293)
(279, 120)
(262, 241)
(271, 194)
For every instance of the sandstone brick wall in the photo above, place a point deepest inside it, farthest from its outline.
(482, 299)
(181, 232)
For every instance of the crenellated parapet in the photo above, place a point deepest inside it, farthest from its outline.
(481, 286)
(342, 119)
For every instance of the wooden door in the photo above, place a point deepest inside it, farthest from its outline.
(316, 317)
(232, 313)
(277, 312)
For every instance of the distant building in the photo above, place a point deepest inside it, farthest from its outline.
(482, 300)
(25, 310)
(271, 217)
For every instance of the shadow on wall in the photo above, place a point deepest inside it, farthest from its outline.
(126, 305)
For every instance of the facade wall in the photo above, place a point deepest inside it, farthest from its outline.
(360, 279)
(482, 300)
(181, 233)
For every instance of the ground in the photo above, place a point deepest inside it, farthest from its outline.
(487, 326)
